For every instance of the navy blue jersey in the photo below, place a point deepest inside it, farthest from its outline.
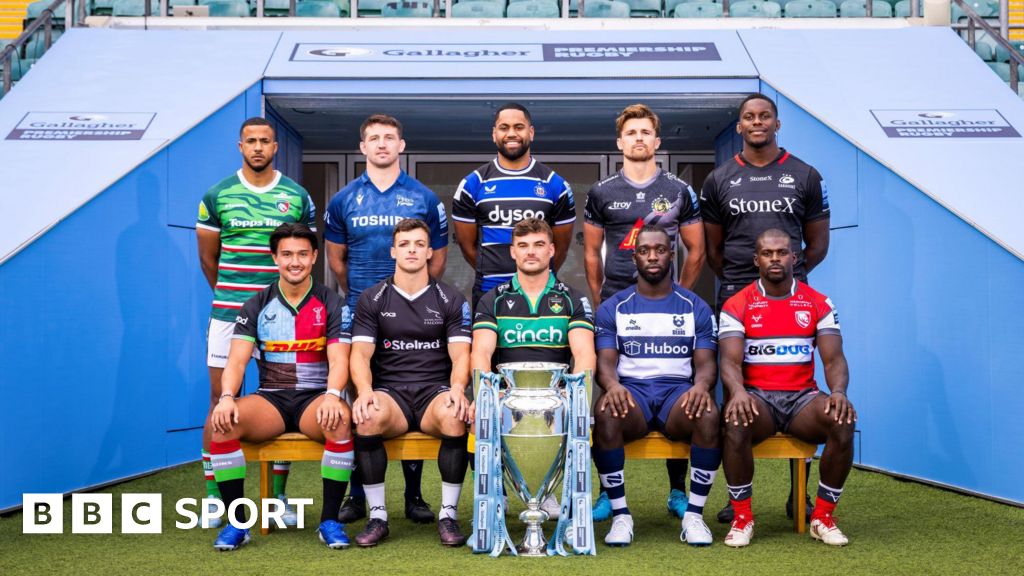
(364, 218)
(496, 199)
(656, 338)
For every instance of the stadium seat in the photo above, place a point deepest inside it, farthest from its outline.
(408, 9)
(227, 8)
(478, 9)
(644, 8)
(605, 9)
(134, 7)
(19, 67)
(902, 9)
(317, 9)
(698, 10)
(755, 9)
(810, 9)
(983, 8)
(36, 46)
(531, 9)
(33, 10)
(858, 9)
(984, 51)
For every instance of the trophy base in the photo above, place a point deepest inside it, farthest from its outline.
(533, 545)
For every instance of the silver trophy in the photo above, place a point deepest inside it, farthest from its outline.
(533, 441)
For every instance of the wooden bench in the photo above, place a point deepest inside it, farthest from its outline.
(294, 447)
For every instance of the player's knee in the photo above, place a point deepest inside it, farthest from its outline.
(842, 431)
(452, 427)
(708, 426)
(607, 431)
(737, 434)
(372, 427)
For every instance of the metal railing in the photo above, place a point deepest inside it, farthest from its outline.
(974, 21)
(45, 22)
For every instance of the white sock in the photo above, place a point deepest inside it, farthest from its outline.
(449, 500)
(375, 500)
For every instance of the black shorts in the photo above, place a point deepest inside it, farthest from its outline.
(413, 399)
(291, 404)
(784, 404)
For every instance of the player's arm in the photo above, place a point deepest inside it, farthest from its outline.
(837, 377)
(332, 411)
(697, 400)
(741, 406)
(563, 239)
(466, 235)
(593, 239)
(437, 263)
(225, 413)
(485, 341)
(615, 397)
(692, 236)
(816, 239)
(209, 253)
(337, 258)
(459, 352)
(359, 365)
(715, 246)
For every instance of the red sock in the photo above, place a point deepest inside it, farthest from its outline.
(822, 507)
(742, 508)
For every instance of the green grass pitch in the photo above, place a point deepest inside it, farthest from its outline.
(894, 527)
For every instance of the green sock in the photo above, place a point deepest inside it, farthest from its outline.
(281, 477)
(212, 490)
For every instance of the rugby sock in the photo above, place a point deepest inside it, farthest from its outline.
(452, 459)
(228, 463)
(355, 486)
(702, 475)
(413, 472)
(676, 469)
(610, 468)
(211, 483)
(739, 497)
(372, 461)
(336, 469)
(826, 501)
(281, 470)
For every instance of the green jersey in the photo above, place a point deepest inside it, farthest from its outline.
(245, 215)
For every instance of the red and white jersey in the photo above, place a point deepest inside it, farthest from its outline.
(780, 334)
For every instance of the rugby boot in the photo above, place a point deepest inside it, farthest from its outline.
(727, 514)
(290, 518)
(823, 527)
(695, 532)
(741, 532)
(215, 521)
(602, 508)
(375, 531)
(352, 509)
(231, 538)
(677, 502)
(552, 507)
(418, 511)
(450, 533)
(332, 534)
(621, 532)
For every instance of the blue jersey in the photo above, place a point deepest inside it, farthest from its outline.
(364, 218)
(656, 338)
(496, 199)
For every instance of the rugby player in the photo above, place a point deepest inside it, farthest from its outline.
(358, 224)
(769, 331)
(616, 209)
(233, 227)
(656, 368)
(762, 187)
(497, 195)
(302, 331)
(410, 366)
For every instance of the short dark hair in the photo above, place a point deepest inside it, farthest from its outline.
(291, 230)
(379, 119)
(649, 228)
(759, 96)
(772, 233)
(528, 226)
(408, 225)
(513, 106)
(634, 112)
(257, 121)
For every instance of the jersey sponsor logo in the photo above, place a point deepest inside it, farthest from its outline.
(241, 320)
(490, 189)
(631, 348)
(467, 318)
(395, 344)
(629, 242)
(661, 205)
(767, 178)
(520, 335)
(346, 318)
(318, 316)
(803, 318)
(442, 217)
(269, 317)
(359, 199)
(402, 201)
(787, 181)
(634, 348)
(434, 319)
(310, 345)
(734, 183)
(835, 313)
(778, 349)
(539, 190)
(283, 207)
(389, 314)
(587, 310)
(510, 303)
(620, 205)
(510, 217)
(640, 196)
(267, 223)
(824, 196)
(375, 220)
(784, 205)
(633, 325)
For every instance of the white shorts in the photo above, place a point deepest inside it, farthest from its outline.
(218, 342)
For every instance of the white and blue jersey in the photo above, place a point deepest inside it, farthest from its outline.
(363, 218)
(496, 199)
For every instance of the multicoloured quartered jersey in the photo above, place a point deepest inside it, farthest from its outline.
(496, 199)
(245, 215)
(363, 218)
(622, 207)
(293, 340)
(780, 334)
(533, 331)
(656, 338)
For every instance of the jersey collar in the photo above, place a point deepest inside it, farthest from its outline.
(302, 302)
(780, 159)
(260, 190)
(792, 290)
(399, 182)
(529, 167)
(519, 288)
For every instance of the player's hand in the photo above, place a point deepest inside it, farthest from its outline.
(618, 400)
(741, 408)
(331, 413)
(364, 407)
(696, 401)
(471, 413)
(225, 415)
(457, 404)
(841, 408)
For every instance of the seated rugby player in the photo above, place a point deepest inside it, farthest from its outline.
(410, 366)
(301, 329)
(656, 369)
(769, 331)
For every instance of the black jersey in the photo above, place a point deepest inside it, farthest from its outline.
(622, 207)
(747, 200)
(411, 331)
(535, 331)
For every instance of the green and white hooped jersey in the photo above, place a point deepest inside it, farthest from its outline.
(533, 331)
(245, 216)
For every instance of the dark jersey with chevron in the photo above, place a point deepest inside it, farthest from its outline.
(621, 207)
(496, 199)
(535, 331)
(411, 332)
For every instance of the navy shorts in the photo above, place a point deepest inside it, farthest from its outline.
(784, 404)
(656, 401)
(413, 399)
(291, 404)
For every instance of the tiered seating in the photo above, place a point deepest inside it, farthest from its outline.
(531, 9)
(134, 7)
(605, 9)
(859, 9)
(644, 8)
(810, 9)
(698, 10)
(227, 8)
(409, 9)
(479, 9)
(755, 9)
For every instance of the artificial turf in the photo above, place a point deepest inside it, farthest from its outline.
(895, 527)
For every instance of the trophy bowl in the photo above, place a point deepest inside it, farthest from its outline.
(533, 437)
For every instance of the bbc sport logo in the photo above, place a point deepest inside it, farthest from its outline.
(143, 513)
